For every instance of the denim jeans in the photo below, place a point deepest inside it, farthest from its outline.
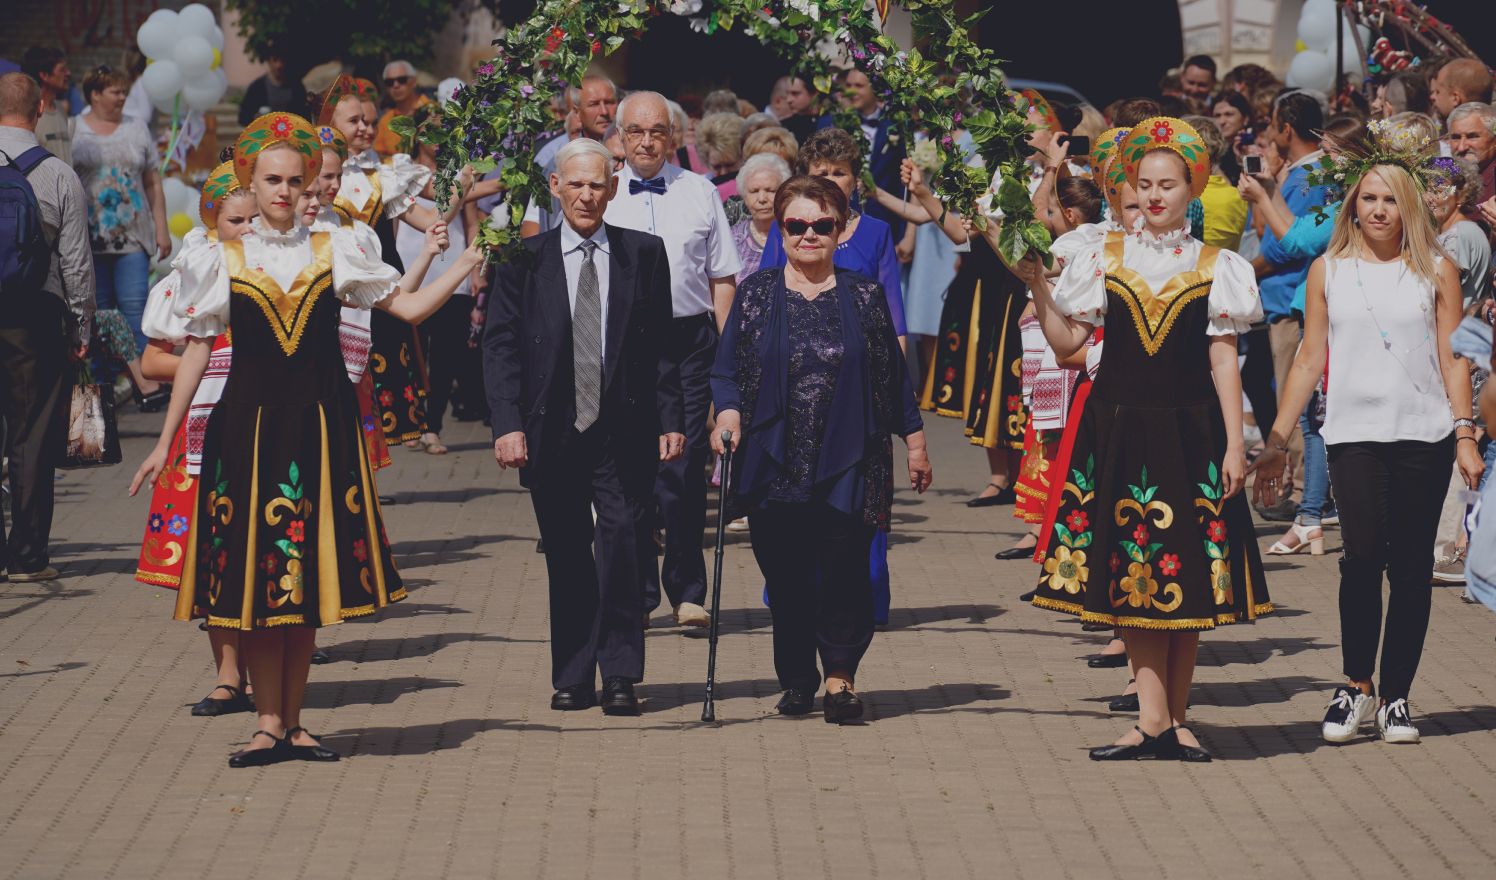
(124, 283)
(1316, 503)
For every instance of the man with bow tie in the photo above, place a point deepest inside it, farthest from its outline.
(884, 151)
(682, 208)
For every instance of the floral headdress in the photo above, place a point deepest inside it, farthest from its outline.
(345, 86)
(1386, 143)
(274, 128)
(221, 181)
(1108, 175)
(1167, 133)
(332, 139)
(1444, 175)
(1040, 103)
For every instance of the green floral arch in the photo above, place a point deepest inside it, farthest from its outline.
(500, 118)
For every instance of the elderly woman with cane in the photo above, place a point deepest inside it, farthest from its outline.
(810, 378)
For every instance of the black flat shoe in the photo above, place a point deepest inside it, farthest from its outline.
(1004, 495)
(618, 697)
(841, 707)
(1124, 703)
(1027, 598)
(1171, 747)
(1015, 553)
(539, 545)
(1150, 748)
(209, 707)
(262, 757)
(1107, 661)
(156, 401)
(795, 702)
(1095, 627)
(317, 752)
(573, 699)
(320, 657)
(386, 500)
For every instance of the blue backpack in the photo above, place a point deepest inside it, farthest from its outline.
(25, 255)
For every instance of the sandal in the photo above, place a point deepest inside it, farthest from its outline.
(317, 752)
(210, 707)
(433, 447)
(1297, 538)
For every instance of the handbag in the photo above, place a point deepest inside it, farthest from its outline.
(93, 430)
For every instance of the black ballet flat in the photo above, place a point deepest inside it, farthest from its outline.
(1090, 627)
(210, 707)
(1004, 495)
(1151, 748)
(320, 657)
(317, 752)
(1107, 661)
(795, 702)
(1124, 703)
(841, 707)
(1014, 553)
(1173, 748)
(1027, 598)
(156, 401)
(277, 753)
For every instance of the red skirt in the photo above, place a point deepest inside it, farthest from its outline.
(173, 503)
(372, 422)
(1059, 465)
(1034, 473)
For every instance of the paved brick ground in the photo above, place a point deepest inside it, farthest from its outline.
(972, 763)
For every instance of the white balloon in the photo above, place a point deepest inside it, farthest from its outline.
(193, 56)
(180, 198)
(156, 37)
(202, 93)
(1311, 69)
(162, 80)
(216, 41)
(166, 15)
(195, 18)
(1317, 30)
(1350, 58)
(1315, 8)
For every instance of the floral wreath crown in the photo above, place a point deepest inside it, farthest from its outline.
(1386, 143)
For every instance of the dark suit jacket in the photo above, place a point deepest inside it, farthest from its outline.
(527, 354)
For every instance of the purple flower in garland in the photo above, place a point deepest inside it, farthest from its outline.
(485, 69)
(527, 90)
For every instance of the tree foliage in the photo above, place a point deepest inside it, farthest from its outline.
(363, 33)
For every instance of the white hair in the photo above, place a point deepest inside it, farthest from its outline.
(1486, 112)
(410, 69)
(763, 162)
(574, 93)
(635, 97)
(583, 147)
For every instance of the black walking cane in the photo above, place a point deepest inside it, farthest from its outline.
(708, 710)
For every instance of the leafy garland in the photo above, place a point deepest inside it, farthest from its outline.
(501, 119)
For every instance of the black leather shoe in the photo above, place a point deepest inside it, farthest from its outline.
(1171, 747)
(841, 707)
(618, 697)
(1108, 661)
(795, 702)
(1150, 748)
(277, 753)
(574, 698)
(210, 707)
(1027, 598)
(320, 657)
(156, 401)
(1015, 553)
(1003, 496)
(317, 752)
(1124, 703)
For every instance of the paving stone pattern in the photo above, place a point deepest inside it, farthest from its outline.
(972, 762)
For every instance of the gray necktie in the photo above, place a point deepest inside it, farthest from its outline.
(587, 341)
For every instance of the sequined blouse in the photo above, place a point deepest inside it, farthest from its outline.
(816, 350)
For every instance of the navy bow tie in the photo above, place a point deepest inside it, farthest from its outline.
(655, 185)
(872, 120)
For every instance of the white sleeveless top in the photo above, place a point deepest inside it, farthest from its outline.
(1385, 383)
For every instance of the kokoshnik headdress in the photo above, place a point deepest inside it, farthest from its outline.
(1106, 172)
(221, 181)
(1040, 103)
(345, 86)
(271, 129)
(1167, 133)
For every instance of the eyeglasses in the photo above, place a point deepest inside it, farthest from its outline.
(634, 133)
(396, 80)
(823, 226)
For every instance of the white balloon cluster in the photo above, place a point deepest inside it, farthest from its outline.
(1314, 66)
(181, 213)
(186, 58)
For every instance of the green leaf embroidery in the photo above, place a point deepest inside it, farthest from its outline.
(1082, 540)
(1066, 537)
(1213, 551)
(288, 548)
(1148, 496)
(295, 473)
(1134, 552)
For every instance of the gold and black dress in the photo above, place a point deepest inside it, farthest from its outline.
(1144, 535)
(287, 528)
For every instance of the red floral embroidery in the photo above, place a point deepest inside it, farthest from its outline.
(1216, 530)
(1015, 402)
(1162, 132)
(1077, 520)
(950, 374)
(360, 550)
(221, 561)
(280, 126)
(267, 564)
(1140, 535)
(1115, 562)
(386, 399)
(1169, 564)
(296, 530)
(410, 394)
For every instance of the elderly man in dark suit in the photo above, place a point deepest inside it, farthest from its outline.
(586, 404)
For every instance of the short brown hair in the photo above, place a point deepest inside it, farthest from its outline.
(819, 190)
(104, 77)
(829, 145)
(1471, 77)
(20, 96)
(1126, 114)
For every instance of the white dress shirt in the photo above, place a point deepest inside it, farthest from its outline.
(690, 219)
(572, 258)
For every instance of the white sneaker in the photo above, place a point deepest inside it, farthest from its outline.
(1395, 723)
(738, 525)
(691, 614)
(1349, 709)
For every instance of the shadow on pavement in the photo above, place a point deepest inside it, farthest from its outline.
(377, 650)
(883, 705)
(49, 592)
(61, 667)
(1224, 653)
(376, 692)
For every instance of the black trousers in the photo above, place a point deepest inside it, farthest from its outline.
(597, 600)
(680, 488)
(814, 562)
(1389, 495)
(33, 360)
(1257, 378)
(444, 341)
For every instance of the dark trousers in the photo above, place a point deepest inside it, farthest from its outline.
(444, 341)
(1257, 378)
(1389, 496)
(597, 602)
(815, 565)
(680, 488)
(33, 360)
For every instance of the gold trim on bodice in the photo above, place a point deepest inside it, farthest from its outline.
(286, 312)
(1155, 314)
(372, 209)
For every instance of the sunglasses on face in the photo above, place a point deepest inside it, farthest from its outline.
(823, 226)
(396, 80)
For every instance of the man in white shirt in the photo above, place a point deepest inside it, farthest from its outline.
(682, 208)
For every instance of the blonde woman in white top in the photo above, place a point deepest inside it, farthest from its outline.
(1380, 307)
